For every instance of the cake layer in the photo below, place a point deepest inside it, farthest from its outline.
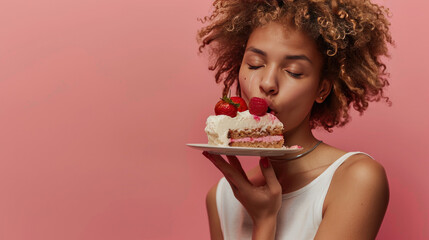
(278, 144)
(256, 132)
(267, 138)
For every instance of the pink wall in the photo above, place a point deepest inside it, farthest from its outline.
(97, 101)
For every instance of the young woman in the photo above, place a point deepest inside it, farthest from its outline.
(311, 61)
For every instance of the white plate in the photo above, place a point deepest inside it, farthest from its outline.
(244, 151)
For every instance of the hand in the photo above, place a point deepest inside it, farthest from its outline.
(261, 202)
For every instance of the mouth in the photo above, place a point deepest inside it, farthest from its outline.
(269, 103)
(270, 110)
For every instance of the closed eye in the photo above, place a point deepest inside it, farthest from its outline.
(251, 67)
(295, 75)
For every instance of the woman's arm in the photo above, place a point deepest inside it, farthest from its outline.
(356, 202)
(214, 222)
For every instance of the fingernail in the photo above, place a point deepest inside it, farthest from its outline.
(264, 162)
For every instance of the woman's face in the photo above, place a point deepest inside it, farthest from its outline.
(283, 66)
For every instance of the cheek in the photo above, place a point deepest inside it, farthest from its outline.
(301, 95)
(248, 83)
(295, 93)
(243, 79)
(297, 103)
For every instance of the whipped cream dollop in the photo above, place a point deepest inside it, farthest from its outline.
(217, 127)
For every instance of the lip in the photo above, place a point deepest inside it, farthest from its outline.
(268, 102)
(272, 111)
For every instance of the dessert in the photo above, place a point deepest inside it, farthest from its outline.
(237, 126)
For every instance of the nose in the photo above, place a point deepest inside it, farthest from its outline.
(269, 81)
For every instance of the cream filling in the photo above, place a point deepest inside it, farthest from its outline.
(259, 139)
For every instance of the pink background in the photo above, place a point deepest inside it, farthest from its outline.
(99, 98)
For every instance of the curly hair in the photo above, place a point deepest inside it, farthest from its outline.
(352, 36)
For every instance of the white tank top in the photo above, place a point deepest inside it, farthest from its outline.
(299, 216)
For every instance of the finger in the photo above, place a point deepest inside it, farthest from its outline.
(233, 160)
(211, 158)
(230, 173)
(269, 174)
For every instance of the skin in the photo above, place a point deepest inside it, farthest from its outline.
(283, 66)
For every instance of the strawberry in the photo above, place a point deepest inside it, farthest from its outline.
(242, 104)
(226, 107)
(258, 106)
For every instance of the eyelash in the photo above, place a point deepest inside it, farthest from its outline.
(251, 67)
(295, 75)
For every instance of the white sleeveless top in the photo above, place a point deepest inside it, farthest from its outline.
(300, 214)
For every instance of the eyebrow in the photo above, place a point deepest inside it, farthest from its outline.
(288, 57)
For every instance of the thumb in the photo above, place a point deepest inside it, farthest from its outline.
(268, 172)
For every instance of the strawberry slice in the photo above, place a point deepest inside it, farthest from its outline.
(258, 106)
(226, 107)
(242, 104)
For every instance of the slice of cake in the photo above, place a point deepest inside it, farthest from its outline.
(236, 126)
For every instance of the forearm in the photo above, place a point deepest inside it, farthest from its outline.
(264, 230)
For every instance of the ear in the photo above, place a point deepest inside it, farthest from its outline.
(325, 87)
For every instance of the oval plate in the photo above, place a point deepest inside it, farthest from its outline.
(244, 151)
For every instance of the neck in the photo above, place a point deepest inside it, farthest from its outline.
(300, 135)
(305, 140)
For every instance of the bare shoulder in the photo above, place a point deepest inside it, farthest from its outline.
(360, 169)
(361, 175)
(357, 200)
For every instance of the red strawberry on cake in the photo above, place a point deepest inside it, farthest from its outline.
(242, 105)
(236, 126)
(226, 107)
(258, 106)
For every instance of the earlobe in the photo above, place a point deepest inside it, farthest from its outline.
(324, 90)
